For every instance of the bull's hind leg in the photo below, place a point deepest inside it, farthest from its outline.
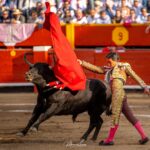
(92, 125)
(99, 122)
(95, 122)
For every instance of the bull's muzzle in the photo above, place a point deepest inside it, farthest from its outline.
(28, 76)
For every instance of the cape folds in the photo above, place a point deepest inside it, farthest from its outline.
(66, 69)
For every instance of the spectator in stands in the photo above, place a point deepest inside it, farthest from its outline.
(5, 17)
(1, 7)
(65, 7)
(110, 8)
(17, 17)
(40, 20)
(2, 2)
(137, 7)
(33, 18)
(92, 17)
(53, 5)
(90, 5)
(32, 3)
(41, 17)
(24, 5)
(148, 6)
(131, 18)
(125, 10)
(118, 17)
(99, 6)
(117, 3)
(61, 3)
(104, 18)
(38, 8)
(11, 5)
(144, 3)
(127, 3)
(79, 4)
(142, 18)
(67, 17)
(79, 18)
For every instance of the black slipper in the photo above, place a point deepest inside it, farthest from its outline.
(106, 144)
(144, 141)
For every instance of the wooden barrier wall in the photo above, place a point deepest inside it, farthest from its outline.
(12, 69)
(110, 35)
(93, 36)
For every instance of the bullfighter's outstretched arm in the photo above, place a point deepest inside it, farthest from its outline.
(91, 67)
(131, 73)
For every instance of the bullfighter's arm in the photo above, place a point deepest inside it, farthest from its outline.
(91, 67)
(131, 73)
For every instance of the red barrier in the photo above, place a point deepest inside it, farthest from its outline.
(139, 60)
(104, 35)
(94, 36)
(12, 69)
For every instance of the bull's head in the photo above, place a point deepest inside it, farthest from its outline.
(39, 73)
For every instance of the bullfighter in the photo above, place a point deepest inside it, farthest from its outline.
(116, 73)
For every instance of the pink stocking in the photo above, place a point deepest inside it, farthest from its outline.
(140, 130)
(111, 134)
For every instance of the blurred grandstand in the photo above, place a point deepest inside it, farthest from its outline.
(76, 11)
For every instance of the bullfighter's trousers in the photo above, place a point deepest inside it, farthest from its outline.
(119, 103)
(118, 95)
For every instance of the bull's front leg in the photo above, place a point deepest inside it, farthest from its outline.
(40, 106)
(47, 114)
(33, 119)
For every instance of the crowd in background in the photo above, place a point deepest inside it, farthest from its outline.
(76, 11)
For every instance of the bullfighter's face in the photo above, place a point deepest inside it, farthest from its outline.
(111, 63)
(33, 76)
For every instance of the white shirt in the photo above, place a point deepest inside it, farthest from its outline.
(91, 19)
(105, 20)
(141, 18)
(82, 4)
(83, 20)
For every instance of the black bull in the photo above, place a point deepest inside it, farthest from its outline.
(95, 99)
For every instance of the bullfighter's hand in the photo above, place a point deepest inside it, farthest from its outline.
(80, 61)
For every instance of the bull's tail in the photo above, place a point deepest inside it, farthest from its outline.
(109, 111)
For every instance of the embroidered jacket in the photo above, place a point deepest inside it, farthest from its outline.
(120, 71)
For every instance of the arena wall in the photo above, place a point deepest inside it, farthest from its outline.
(13, 68)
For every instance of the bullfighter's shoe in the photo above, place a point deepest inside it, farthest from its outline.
(103, 143)
(144, 141)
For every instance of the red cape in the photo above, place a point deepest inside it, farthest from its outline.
(67, 69)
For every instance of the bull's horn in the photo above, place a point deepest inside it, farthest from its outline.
(25, 59)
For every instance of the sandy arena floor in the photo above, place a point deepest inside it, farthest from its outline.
(57, 132)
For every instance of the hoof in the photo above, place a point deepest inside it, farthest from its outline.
(82, 141)
(20, 134)
(102, 143)
(93, 139)
(34, 129)
(144, 141)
